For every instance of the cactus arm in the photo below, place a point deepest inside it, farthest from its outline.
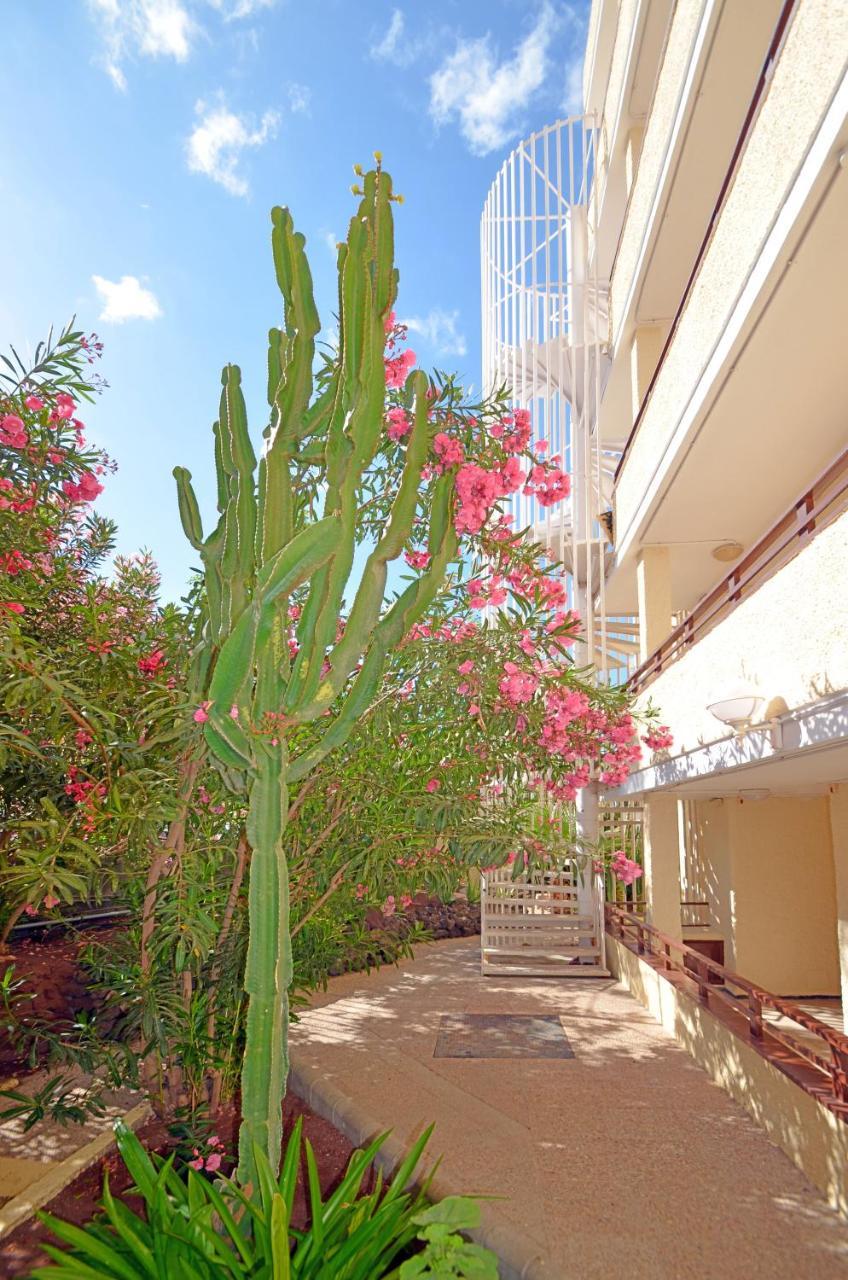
(189, 510)
(369, 596)
(368, 285)
(230, 686)
(407, 609)
(239, 462)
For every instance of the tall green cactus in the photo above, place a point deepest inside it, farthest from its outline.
(265, 547)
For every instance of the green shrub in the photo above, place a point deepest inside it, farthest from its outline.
(195, 1229)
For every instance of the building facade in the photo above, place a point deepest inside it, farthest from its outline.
(665, 285)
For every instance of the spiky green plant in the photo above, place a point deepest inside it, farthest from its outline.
(266, 546)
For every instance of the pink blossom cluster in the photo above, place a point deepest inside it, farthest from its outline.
(659, 739)
(624, 868)
(211, 1161)
(400, 424)
(152, 663)
(517, 686)
(417, 559)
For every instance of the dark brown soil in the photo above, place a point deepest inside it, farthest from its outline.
(21, 1251)
(53, 983)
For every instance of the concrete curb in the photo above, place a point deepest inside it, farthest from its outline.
(520, 1258)
(58, 1175)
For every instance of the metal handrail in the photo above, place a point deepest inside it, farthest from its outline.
(644, 939)
(817, 507)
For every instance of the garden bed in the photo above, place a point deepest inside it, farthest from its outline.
(22, 1249)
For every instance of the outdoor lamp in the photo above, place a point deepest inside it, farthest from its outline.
(738, 710)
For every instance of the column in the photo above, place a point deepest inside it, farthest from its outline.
(662, 863)
(645, 350)
(653, 587)
(839, 839)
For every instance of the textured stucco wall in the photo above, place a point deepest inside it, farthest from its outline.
(788, 642)
(784, 894)
(806, 76)
(678, 51)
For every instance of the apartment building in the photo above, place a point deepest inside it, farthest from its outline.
(723, 233)
(665, 287)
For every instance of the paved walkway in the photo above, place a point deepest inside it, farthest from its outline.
(623, 1161)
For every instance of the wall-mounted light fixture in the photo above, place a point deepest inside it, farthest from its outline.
(727, 551)
(740, 710)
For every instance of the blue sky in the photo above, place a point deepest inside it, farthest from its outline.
(146, 141)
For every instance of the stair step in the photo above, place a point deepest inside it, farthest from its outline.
(545, 971)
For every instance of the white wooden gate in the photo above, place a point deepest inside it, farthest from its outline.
(546, 924)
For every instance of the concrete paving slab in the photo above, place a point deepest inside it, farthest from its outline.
(625, 1160)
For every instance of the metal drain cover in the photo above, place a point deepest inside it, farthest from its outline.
(501, 1035)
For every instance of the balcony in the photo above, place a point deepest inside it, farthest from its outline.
(747, 403)
(776, 624)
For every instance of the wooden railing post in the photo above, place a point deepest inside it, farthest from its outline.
(839, 1073)
(703, 982)
(755, 1016)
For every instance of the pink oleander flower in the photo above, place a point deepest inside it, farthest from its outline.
(398, 368)
(34, 404)
(82, 739)
(659, 739)
(13, 606)
(433, 785)
(389, 905)
(465, 668)
(65, 405)
(12, 432)
(196, 1164)
(417, 559)
(400, 424)
(201, 715)
(213, 1162)
(448, 450)
(14, 562)
(152, 663)
(86, 491)
(51, 901)
(234, 712)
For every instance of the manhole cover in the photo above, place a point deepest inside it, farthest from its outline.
(501, 1035)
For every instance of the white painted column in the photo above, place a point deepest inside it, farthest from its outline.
(839, 838)
(662, 863)
(653, 588)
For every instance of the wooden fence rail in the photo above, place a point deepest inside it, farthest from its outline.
(828, 1058)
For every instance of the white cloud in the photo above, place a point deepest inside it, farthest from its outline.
(331, 240)
(149, 28)
(300, 96)
(439, 329)
(126, 299)
(488, 97)
(233, 10)
(572, 102)
(388, 48)
(216, 142)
